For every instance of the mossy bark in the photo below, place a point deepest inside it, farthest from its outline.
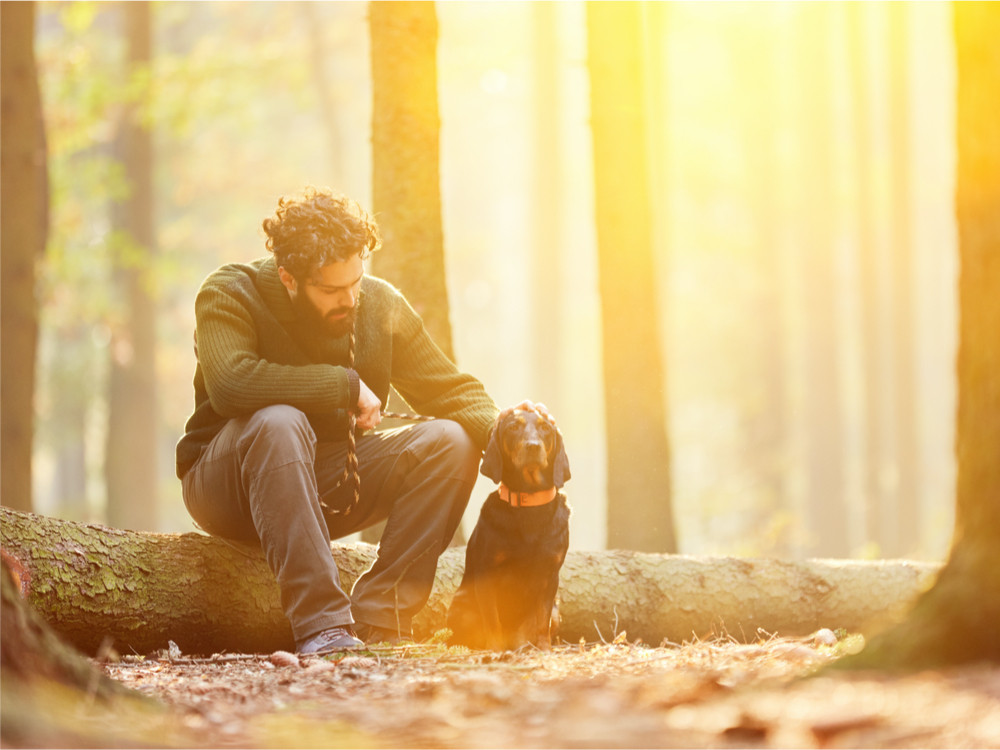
(141, 590)
(46, 683)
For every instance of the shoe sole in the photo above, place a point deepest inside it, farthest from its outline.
(332, 650)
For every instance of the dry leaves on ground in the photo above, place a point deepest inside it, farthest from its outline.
(705, 694)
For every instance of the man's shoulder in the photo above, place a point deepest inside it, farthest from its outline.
(376, 285)
(379, 294)
(253, 283)
(254, 286)
(235, 274)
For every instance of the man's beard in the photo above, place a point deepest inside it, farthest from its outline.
(326, 324)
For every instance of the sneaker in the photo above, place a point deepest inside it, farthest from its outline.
(375, 634)
(332, 639)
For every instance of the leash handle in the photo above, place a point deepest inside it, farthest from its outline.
(410, 417)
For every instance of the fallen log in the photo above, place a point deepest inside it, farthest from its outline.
(97, 585)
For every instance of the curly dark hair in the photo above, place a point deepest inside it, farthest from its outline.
(316, 228)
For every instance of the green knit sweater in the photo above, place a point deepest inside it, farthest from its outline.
(253, 352)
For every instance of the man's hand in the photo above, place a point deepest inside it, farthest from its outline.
(527, 405)
(369, 412)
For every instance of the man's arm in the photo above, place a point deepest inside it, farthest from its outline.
(431, 383)
(240, 381)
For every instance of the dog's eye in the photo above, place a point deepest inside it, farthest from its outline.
(548, 434)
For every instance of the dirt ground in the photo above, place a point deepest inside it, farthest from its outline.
(604, 695)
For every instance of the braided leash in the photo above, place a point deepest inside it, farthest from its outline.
(351, 468)
(410, 417)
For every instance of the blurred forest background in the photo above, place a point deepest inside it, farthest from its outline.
(800, 163)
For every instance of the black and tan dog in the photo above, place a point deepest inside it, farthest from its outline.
(507, 597)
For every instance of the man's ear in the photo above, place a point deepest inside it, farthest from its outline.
(492, 467)
(288, 280)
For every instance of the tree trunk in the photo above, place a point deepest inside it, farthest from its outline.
(905, 514)
(24, 205)
(406, 179)
(133, 417)
(406, 191)
(640, 514)
(956, 621)
(826, 502)
(872, 292)
(318, 47)
(140, 590)
(766, 182)
(547, 293)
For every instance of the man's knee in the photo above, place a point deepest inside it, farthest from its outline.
(455, 449)
(279, 419)
(282, 431)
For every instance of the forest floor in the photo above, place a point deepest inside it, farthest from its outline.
(773, 693)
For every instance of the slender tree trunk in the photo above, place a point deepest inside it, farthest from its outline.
(904, 517)
(406, 179)
(826, 506)
(546, 275)
(640, 515)
(71, 458)
(131, 459)
(314, 31)
(768, 421)
(956, 621)
(872, 286)
(24, 206)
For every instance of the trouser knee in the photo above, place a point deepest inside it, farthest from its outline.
(278, 434)
(456, 453)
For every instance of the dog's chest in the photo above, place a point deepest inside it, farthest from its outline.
(518, 537)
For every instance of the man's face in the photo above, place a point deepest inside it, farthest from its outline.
(329, 298)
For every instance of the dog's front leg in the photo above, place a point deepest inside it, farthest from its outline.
(537, 623)
(545, 614)
(489, 611)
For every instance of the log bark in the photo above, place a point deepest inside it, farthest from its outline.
(92, 582)
(45, 684)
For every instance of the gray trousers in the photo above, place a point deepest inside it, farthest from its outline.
(261, 479)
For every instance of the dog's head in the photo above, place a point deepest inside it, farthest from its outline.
(526, 452)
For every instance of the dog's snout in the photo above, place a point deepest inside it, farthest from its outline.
(535, 442)
(535, 449)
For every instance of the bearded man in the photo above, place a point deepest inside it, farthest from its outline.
(288, 346)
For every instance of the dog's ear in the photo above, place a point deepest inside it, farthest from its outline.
(560, 464)
(492, 467)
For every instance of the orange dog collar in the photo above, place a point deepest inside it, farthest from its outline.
(526, 499)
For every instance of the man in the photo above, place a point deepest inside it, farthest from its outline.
(264, 452)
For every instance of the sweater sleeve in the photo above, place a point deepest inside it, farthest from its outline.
(239, 380)
(431, 383)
